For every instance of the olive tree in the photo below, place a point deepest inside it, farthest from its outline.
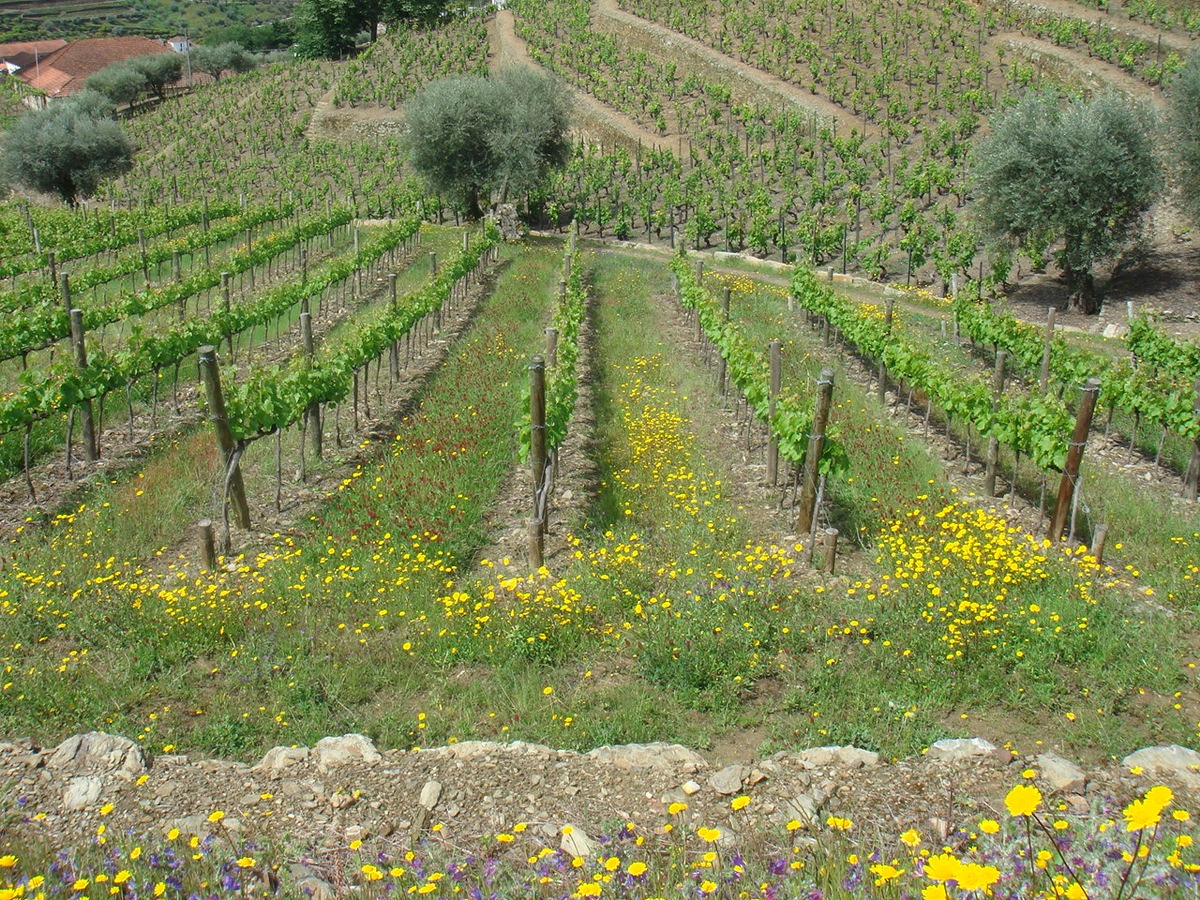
(127, 81)
(1079, 172)
(221, 58)
(473, 138)
(120, 83)
(67, 148)
(1183, 135)
(160, 70)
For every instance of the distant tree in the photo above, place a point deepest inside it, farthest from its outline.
(68, 148)
(1183, 122)
(1078, 171)
(227, 57)
(470, 137)
(160, 70)
(255, 38)
(120, 83)
(327, 28)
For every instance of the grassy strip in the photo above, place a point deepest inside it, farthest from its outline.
(963, 615)
(889, 473)
(1153, 537)
(282, 645)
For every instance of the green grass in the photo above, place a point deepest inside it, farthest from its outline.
(153, 655)
(677, 619)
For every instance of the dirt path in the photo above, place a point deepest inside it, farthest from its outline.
(746, 82)
(594, 120)
(1170, 40)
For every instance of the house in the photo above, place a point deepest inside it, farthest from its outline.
(179, 43)
(27, 54)
(65, 71)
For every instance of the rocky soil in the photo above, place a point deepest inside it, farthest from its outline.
(313, 801)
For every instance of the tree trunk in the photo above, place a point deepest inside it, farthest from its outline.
(1082, 286)
(474, 209)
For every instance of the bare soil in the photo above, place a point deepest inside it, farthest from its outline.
(309, 811)
(594, 121)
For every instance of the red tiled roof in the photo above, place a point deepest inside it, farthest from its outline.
(64, 71)
(19, 51)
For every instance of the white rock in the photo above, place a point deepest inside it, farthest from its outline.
(470, 749)
(349, 748)
(845, 757)
(955, 749)
(278, 759)
(1061, 774)
(1181, 762)
(659, 755)
(82, 792)
(801, 808)
(576, 842)
(729, 779)
(98, 750)
(430, 794)
(690, 788)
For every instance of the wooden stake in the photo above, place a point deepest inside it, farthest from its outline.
(226, 278)
(829, 550)
(551, 348)
(536, 544)
(722, 365)
(211, 375)
(208, 547)
(313, 412)
(90, 447)
(1099, 538)
(1047, 346)
(537, 433)
(1068, 485)
(775, 353)
(993, 450)
(812, 456)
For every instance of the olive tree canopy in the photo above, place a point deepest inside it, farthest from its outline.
(471, 137)
(67, 148)
(1183, 98)
(1080, 172)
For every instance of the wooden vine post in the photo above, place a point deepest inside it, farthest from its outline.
(722, 365)
(1047, 346)
(812, 455)
(313, 411)
(889, 310)
(394, 350)
(1067, 487)
(993, 450)
(208, 547)
(1192, 481)
(90, 447)
(537, 457)
(211, 375)
(64, 281)
(226, 281)
(551, 347)
(775, 353)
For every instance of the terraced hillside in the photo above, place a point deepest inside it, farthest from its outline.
(716, 456)
(31, 19)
